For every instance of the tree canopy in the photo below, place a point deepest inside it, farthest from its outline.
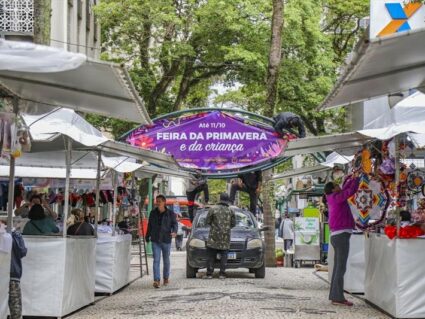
(177, 49)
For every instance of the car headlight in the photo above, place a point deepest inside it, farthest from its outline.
(255, 243)
(197, 243)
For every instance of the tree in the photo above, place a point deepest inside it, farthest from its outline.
(42, 15)
(275, 57)
(174, 47)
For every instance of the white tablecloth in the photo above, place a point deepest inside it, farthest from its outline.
(113, 256)
(395, 280)
(58, 276)
(355, 274)
(5, 243)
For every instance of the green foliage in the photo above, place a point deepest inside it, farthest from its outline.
(215, 187)
(315, 40)
(174, 48)
(112, 126)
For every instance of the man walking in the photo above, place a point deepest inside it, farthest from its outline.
(195, 185)
(341, 224)
(221, 220)
(162, 227)
(251, 184)
(287, 231)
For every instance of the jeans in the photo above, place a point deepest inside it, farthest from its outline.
(212, 255)
(287, 243)
(157, 249)
(341, 245)
(179, 241)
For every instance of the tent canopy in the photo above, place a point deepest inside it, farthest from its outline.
(380, 67)
(91, 86)
(47, 132)
(408, 116)
(343, 141)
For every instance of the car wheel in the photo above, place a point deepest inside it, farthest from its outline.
(190, 271)
(260, 272)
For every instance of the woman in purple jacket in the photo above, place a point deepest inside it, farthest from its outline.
(341, 224)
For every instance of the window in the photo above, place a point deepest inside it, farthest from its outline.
(16, 16)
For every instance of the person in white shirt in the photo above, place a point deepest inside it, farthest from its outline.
(287, 230)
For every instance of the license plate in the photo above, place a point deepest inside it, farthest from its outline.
(229, 256)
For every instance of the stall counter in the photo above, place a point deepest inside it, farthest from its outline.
(113, 256)
(394, 278)
(58, 275)
(5, 255)
(355, 274)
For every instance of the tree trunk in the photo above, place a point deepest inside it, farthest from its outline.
(275, 57)
(162, 87)
(269, 221)
(42, 15)
(184, 85)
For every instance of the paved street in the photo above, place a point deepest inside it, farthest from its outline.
(284, 293)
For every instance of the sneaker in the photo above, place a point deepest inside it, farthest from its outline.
(222, 276)
(343, 303)
(156, 284)
(166, 282)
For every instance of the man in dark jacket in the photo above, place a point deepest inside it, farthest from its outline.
(15, 298)
(162, 227)
(249, 183)
(221, 220)
(287, 122)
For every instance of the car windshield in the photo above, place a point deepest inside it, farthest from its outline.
(243, 220)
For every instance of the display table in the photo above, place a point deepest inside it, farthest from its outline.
(394, 275)
(58, 275)
(113, 256)
(355, 274)
(5, 255)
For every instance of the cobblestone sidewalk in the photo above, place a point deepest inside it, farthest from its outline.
(284, 293)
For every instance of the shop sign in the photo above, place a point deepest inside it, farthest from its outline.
(210, 141)
(389, 17)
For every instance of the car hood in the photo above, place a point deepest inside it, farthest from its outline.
(237, 234)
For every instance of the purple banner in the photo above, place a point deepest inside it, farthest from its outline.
(210, 141)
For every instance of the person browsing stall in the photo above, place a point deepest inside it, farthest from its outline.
(80, 227)
(341, 224)
(39, 223)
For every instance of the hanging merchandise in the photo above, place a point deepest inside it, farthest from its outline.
(418, 215)
(366, 161)
(6, 121)
(415, 180)
(370, 203)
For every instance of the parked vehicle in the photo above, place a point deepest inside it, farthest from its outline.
(247, 247)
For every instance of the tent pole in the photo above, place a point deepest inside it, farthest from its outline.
(10, 202)
(114, 209)
(10, 194)
(397, 181)
(68, 142)
(96, 214)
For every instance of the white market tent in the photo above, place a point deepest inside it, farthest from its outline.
(407, 116)
(379, 67)
(41, 75)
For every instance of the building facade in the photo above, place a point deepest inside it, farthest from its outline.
(73, 26)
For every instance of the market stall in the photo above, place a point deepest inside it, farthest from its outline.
(395, 267)
(5, 255)
(58, 276)
(113, 254)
